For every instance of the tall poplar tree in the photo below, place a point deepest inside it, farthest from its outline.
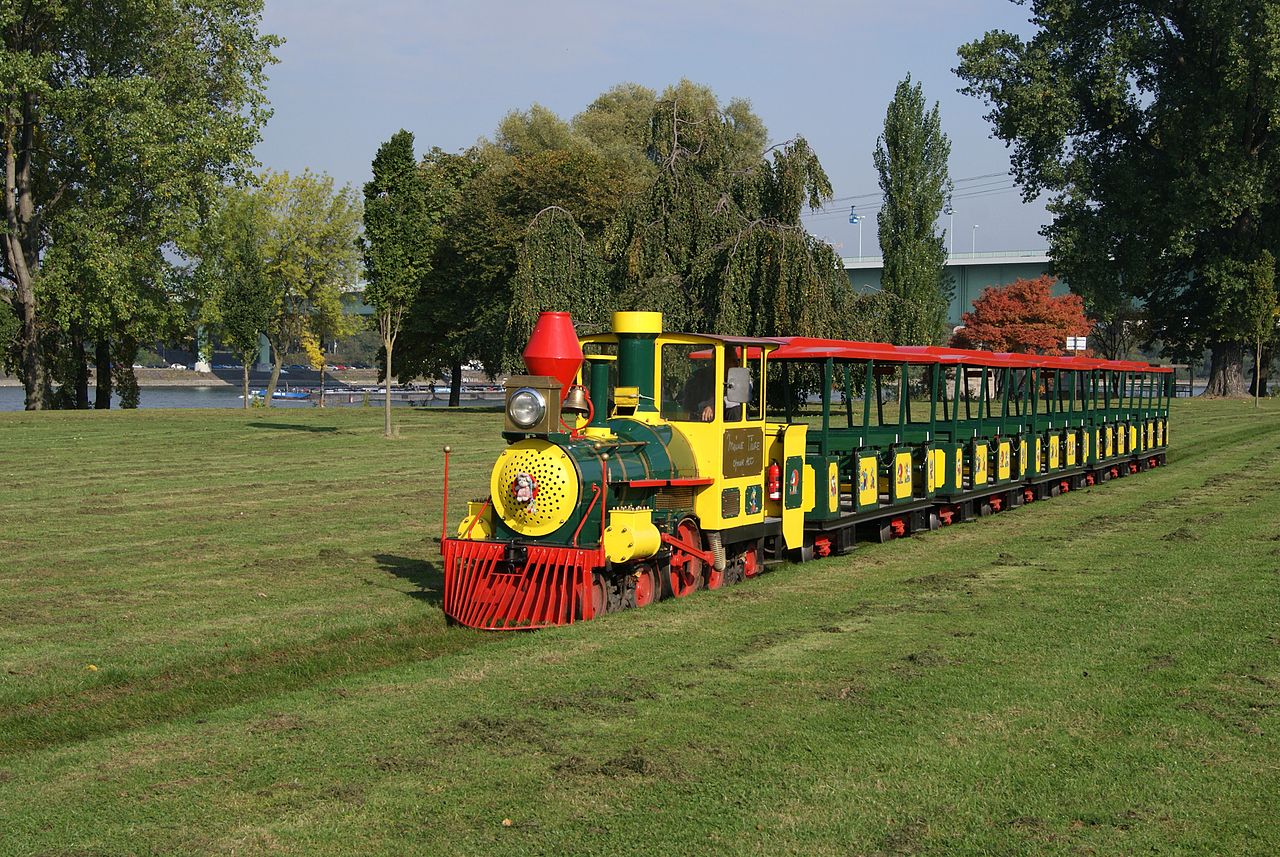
(911, 159)
(400, 231)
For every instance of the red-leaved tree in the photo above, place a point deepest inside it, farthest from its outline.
(1023, 316)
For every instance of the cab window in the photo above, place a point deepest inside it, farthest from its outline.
(743, 386)
(688, 381)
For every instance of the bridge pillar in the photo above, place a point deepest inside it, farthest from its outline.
(264, 353)
(202, 350)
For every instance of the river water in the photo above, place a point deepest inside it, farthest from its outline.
(11, 399)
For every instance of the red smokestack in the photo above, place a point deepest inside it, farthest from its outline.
(553, 349)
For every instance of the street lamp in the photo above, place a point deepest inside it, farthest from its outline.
(950, 212)
(855, 219)
(973, 248)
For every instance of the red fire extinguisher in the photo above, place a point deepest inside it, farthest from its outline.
(775, 481)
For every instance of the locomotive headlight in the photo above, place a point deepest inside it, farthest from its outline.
(526, 407)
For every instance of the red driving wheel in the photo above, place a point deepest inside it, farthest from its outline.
(646, 586)
(686, 569)
(751, 561)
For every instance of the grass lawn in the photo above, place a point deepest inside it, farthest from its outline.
(220, 633)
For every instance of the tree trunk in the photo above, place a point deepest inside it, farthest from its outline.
(21, 248)
(125, 380)
(81, 369)
(322, 367)
(455, 386)
(244, 379)
(388, 342)
(1226, 371)
(277, 358)
(1262, 372)
(102, 369)
(1257, 374)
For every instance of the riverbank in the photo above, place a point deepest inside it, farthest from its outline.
(232, 378)
(229, 378)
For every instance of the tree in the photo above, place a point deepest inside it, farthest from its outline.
(116, 121)
(1258, 311)
(616, 124)
(669, 204)
(715, 241)
(1025, 317)
(401, 229)
(285, 249)
(490, 200)
(558, 269)
(1150, 126)
(232, 271)
(911, 159)
(459, 300)
(312, 257)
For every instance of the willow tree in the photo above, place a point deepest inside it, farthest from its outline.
(1151, 126)
(911, 160)
(560, 270)
(715, 242)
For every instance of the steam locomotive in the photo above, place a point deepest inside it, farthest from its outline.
(642, 464)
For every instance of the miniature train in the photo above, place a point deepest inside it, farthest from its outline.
(642, 464)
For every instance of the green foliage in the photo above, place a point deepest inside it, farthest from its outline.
(715, 241)
(1262, 307)
(616, 122)
(400, 232)
(1151, 128)
(911, 159)
(483, 281)
(454, 314)
(311, 252)
(9, 329)
(276, 259)
(232, 271)
(668, 204)
(558, 270)
(143, 109)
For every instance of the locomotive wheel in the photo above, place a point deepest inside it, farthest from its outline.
(716, 579)
(751, 565)
(646, 586)
(686, 570)
(599, 595)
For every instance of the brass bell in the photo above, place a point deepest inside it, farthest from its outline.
(575, 401)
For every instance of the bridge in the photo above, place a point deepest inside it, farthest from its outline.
(970, 274)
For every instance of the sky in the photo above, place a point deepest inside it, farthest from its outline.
(352, 74)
